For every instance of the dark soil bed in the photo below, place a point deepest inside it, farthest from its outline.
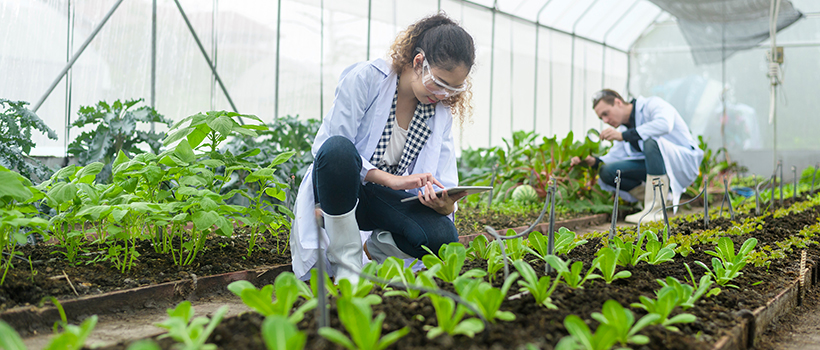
(472, 220)
(220, 255)
(543, 328)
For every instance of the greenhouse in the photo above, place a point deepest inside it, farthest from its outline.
(360, 174)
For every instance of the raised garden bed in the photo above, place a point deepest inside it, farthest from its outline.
(764, 292)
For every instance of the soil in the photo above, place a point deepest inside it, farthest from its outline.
(28, 286)
(473, 220)
(543, 328)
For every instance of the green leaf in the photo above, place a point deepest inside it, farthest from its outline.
(62, 192)
(281, 158)
(9, 339)
(177, 135)
(185, 153)
(145, 344)
(12, 187)
(89, 172)
(199, 134)
(204, 220)
(279, 334)
(222, 125)
(337, 337)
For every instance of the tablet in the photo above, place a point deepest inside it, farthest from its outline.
(455, 190)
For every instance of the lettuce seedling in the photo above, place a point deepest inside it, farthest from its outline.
(72, 337)
(449, 317)
(688, 295)
(486, 298)
(331, 288)
(516, 247)
(451, 258)
(479, 248)
(261, 300)
(623, 321)
(539, 288)
(580, 337)
(564, 242)
(191, 332)
(349, 291)
(494, 262)
(667, 299)
(606, 262)
(406, 277)
(656, 252)
(279, 334)
(9, 339)
(726, 266)
(365, 331)
(630, 254)
(571, 275)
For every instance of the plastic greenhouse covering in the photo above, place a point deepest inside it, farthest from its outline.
(538, 63)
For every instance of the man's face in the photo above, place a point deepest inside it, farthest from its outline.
(612, 114)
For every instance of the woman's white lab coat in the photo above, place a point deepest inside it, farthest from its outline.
(657, 119)
(359, 113)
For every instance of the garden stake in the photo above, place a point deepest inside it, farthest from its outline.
(551, 241)
(705, 202)
(757, 195)
(794, 172)
(774, 181)
(811, 191)
(802, 285)
(492, 184)
(780, 166)
(728, 199)
(321, 290)
(77, 294)
(615, 206)
(663, 206)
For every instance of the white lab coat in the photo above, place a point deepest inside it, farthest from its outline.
(360, 110)
(657, 119)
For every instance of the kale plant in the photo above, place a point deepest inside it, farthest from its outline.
(16, 122)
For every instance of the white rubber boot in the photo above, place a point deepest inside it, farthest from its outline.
(345, 249)
(381, 245)
(655, 213)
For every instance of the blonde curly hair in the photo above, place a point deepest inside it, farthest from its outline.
(445, 45)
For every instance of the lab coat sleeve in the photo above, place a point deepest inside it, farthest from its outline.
(659, 119)
(615, 153)
(447, 171)
(352, 99)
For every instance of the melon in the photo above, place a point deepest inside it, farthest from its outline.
(525, 194)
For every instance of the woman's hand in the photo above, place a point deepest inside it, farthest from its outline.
(590, 160)
(401, 182)
(443, 204)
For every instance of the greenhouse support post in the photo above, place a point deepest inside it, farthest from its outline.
(572, 64)
(606, 35)
(153, 57)
(535, 81)
(207, 59)
(76, 56)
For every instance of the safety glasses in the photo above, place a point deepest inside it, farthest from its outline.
(436, 86)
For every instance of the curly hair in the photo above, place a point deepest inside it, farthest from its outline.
(446, 45)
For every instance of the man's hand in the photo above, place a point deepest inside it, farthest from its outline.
(443, 204)
(590, 160)
(612, 134)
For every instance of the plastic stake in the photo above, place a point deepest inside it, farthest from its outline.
(492, 183)
(794, 172)
(811, 191)
(728, 199)
(551, 240)
(705, 202)
(663, 206)
(780, 166)
(615, 206)
(321, 290)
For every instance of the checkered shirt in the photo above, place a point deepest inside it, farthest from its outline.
(417, 137)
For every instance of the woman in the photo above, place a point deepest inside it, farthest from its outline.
(388, 136)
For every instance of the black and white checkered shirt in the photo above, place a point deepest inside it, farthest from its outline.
(417, 137)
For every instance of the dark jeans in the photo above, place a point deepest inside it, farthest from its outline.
(337, 186)
(633, 172)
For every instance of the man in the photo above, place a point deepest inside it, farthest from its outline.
(650, 140)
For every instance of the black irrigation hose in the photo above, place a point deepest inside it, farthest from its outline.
(612, 228)
(15, 256)
(549, 198)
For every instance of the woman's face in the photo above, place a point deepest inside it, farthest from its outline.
(433, 84)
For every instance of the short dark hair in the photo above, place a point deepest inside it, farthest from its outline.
(606, 95)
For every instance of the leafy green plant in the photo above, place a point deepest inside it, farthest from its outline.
(71, 338)
(16, 193)
(623, 321)
(580, 336)
(479, 248)
(287, 289)
(16, 124)
(451, 257)
(494, 261)
(540, 288)
(564, 242)
(688, 295)
(450, 318)
(515, 248)
(629, 254)
(280, 334)
(365, 331)
(667, 299)
(486, 298)
(191, 332)
(115, 130)
(658, 252)
(395, 271)
(726, 265)
(606, 262)
(572, 275)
